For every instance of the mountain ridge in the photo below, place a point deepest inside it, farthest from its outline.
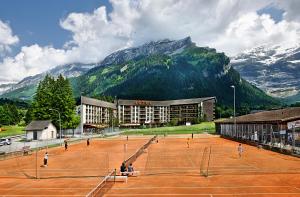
(273, 69)
(166, 69)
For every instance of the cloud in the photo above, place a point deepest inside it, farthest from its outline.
(6, 37)
(29, 61)
(291, 8)
(252, 30)
(228, 25)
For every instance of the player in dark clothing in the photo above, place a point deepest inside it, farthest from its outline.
(88, 142)
(123, 168)
(66, 145)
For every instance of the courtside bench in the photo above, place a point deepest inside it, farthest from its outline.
(134, 173)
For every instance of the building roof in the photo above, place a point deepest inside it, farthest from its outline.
(165, 103)
(38, 125)
(280, 115)
(96, 102)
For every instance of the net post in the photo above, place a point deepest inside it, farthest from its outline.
(115, 174)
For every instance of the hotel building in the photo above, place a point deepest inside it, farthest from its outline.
(97, 114)
(140, 112)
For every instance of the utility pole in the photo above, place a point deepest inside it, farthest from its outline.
(234, 109)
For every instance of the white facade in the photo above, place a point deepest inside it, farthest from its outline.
(95, 114)
(49, 133)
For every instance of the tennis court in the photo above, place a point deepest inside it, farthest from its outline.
(74, 172)
(204, 166)
(170, 168)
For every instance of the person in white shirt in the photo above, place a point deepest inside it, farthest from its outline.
(46, 159)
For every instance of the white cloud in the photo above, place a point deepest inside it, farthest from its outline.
(228, 25)
(30, 61)
(252, 30)
(6, 37)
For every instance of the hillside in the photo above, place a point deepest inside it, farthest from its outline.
(179, 69)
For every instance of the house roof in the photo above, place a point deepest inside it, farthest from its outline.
(38, 125)
(164, 103)
(280, 115)
(96, 102)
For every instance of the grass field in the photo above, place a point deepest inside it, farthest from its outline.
(208, 127)
(12, 130)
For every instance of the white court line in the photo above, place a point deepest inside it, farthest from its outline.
(259, 186)
(49, 188)
(224, 194)
(43, 195)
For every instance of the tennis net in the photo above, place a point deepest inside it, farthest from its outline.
(204, 165)
(100, 189)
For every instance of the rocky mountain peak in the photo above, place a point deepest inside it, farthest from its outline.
(164, 46)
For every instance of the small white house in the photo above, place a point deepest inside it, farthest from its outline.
(40, 130)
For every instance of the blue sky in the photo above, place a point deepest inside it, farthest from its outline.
(37, 21)
(37, 35)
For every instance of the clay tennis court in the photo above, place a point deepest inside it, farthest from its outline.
(168, 168)
(74, 172)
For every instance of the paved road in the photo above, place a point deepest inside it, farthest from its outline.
(16, 145)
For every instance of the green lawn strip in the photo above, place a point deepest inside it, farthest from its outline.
(12, 130)
(198, 128)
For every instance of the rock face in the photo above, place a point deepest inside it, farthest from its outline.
(275, 70)
(160, 47)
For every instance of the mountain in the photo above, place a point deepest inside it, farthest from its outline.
(5, 87)
(26, 87)
(169, 70)
(275, 70)
(161, 70)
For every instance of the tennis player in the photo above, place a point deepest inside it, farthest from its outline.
(240, 150)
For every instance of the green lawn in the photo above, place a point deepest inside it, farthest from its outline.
(198, 128)
(12, 130)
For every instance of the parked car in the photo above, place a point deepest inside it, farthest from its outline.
(5, 141)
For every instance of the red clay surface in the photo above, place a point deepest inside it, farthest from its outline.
(74, 172)
(169, 168)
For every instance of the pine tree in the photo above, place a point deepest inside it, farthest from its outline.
(55, 96)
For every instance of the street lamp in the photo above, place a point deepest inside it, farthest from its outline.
(59, 124)
(81, 115)
(234, 108)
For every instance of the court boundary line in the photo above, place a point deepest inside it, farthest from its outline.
(227, 187)
(206, 194)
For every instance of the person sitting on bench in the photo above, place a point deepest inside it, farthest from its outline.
(123, 169)
(130, 169)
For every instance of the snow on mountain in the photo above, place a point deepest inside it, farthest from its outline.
(276, 69)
